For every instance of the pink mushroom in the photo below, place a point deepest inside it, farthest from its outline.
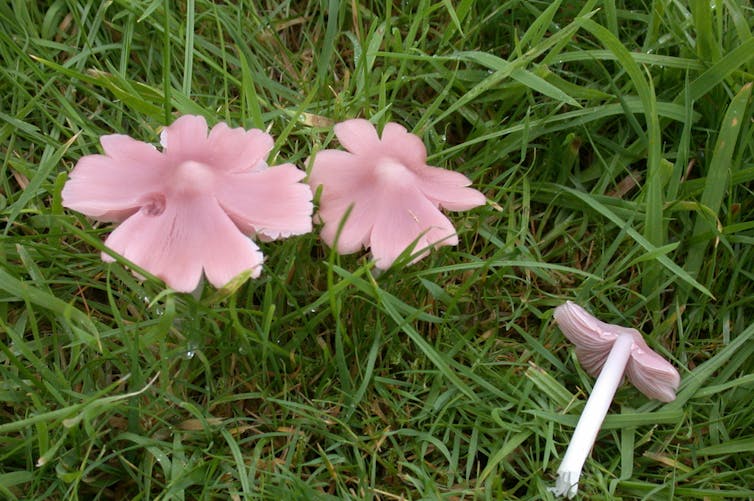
(190, 209)
(607, 351)
(393, 196)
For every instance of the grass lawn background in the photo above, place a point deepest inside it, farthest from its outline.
(613, 141)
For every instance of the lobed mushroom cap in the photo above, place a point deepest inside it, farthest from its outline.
(593, 339)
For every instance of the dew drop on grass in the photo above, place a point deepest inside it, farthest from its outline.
(147, 301)
(190, 351)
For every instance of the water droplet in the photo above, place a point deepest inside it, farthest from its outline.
(147, 301)
(190, 351)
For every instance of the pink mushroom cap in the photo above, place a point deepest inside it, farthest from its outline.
(649, 372)
(194, 207)
(392, 197)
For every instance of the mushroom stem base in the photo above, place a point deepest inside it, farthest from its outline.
(567, 484)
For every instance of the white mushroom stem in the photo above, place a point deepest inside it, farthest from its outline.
(592, 417)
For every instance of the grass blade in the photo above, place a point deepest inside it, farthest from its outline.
(718, 178)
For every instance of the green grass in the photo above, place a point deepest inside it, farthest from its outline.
(613, 140)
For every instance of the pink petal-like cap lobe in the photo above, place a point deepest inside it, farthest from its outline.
(185, 138)
(343, 179)
(269, 202)
(357, 221)
(189, 237)
(449, 189)
(593, 339)
(113, 186)
(238, 149)
(341, 171)
(406, 147)
(407, 217)
(357, 136)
